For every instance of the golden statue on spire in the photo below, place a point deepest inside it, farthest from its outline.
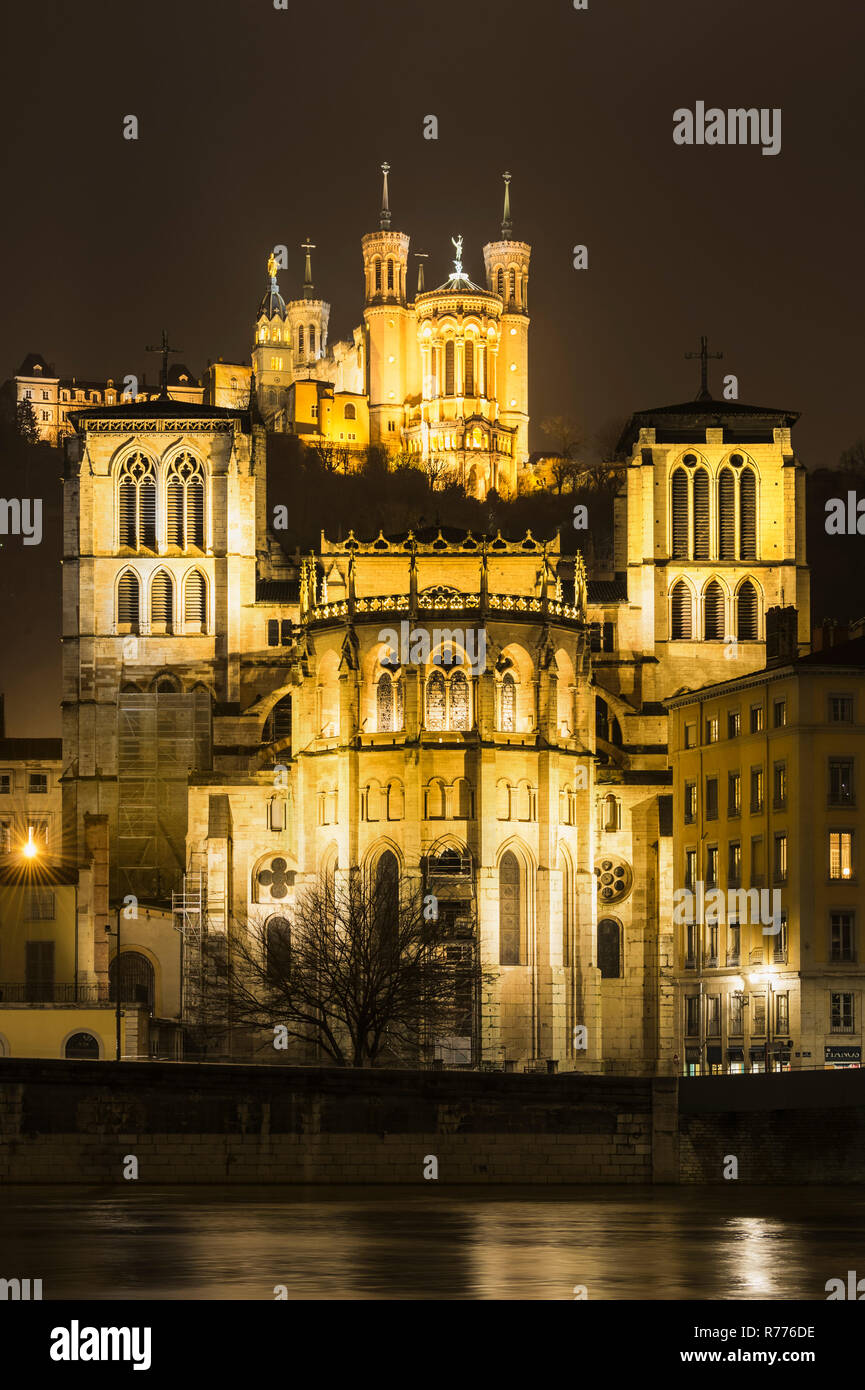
(272, 266)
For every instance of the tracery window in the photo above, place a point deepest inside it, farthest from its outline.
(436, 701)
(508, 719)
(388, 697)
(136, 503)
(184, 503)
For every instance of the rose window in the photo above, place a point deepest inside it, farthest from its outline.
(276, 878)
(614, 879)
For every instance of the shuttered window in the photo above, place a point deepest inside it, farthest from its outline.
(449, 367)
(680, 514)
(174, 512)
(195, 599)
(682, 619)
(713, 625)
(701, 514)
(136, 503)
(300, 340)
(746, 613)
(184, 503)
(748, 515)
(127, 514)
(127, 598)
(161, 605)
(727, 516)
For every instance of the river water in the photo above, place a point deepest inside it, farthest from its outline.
(733, 1242)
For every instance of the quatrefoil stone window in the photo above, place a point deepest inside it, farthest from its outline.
(275, 878)
(614, 879)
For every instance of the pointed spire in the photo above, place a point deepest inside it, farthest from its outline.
(308, 287)
(384, 219)
(420, 257)
(507, 225)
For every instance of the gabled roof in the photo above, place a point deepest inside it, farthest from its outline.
(34, 364)
(688, 422)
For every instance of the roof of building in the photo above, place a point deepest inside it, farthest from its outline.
(272, 305)
(687, 422)
(849, 654)
(34, 364)
(180, 375)
(606, 590)
(43, 750)
(160, 408)
(277, 591)
(459, 284)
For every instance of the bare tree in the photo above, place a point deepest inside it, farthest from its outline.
(565, 433)
(852, 460)
(360, 971)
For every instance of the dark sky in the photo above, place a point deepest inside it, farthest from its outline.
(260, 126)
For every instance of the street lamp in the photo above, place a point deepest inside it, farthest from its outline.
(117, 1015)
(30, 848)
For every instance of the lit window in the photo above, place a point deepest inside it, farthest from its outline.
(840, 854)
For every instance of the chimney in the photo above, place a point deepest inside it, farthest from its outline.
(782, 635)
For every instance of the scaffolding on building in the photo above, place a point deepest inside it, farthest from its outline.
(190, 909)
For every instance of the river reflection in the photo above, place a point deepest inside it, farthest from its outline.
(239, 1243)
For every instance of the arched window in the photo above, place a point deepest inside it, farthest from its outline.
(449, 367)
(508, 717)
(512, 284)
(128, 600)
(680, 514)
(510, 910)
(136, 979)
(727, 515)
(481, 370)
(390, 273)
(436, 701)
(701, 514)
(195, 600)
(385, 703)
(386, 898)
(459, 701)
(682, 625)
(278, 724)
(746, 613)
(748, 515)
(161, 601)
(278, 943)
(713, 615)
(611, 813)
(136, 503)
(567, 909)
(184, 503)
(350, 412)
(500, 282)
(83, 1047)
(377, 273)
(469, 385)
(609, 949)
(312, 340)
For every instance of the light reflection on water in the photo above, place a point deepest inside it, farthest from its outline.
(239, 1243)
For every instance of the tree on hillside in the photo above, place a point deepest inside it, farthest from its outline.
(852, 460)
(27, 428)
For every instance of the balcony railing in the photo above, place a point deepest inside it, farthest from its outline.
(51, 994)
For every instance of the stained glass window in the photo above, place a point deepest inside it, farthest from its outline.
(384, 703)
(435, 701)
(459, 701)
(509, 703)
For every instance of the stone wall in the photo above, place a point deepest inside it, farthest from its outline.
(188, 1123)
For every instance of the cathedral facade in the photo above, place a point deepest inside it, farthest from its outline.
(475, 714)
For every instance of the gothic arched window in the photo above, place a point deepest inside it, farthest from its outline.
(609, 948)
(300, 341)
(512, 284)
(390, 273)
(726, 515)
(385, 703)
(436, 699)
(377, 273)
(161, 600)
(128, 599)
(701, 514)
(500, 282)
(682, 626)
(459, 701)
(278, 942)
(386, 898)
(136, 979)
(713, 616)
(82, 1046)
(195, 600)
(680, 514)
(312, 339)
(136, 503)
(746, 613)
(508, 718)
(184, 503)
(510, 910)
(747, 515)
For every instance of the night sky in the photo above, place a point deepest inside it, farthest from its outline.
(260, 126)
